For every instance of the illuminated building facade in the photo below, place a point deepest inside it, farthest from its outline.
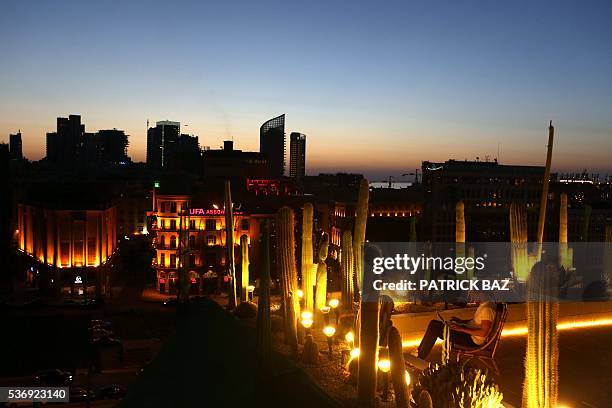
(195, 237)
(68, 248)
(272, 144)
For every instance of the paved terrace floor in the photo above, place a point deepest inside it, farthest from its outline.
(585, 358)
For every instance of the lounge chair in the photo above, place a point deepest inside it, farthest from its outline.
(486, 351)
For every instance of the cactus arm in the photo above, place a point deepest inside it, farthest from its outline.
(229, 244)
(288, 275)
(308, 268)
(361, 219)
(398, 368)
(264, 329)
(244, 279)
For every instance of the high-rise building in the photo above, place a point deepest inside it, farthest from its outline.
(162, 142)
(272, 144)
(66, 143)
(15, 146)
(111, 146)
(297, 155)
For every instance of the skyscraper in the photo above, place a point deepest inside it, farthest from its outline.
(112, 146)
(66, 143)
(272, 144)
(162, 141)
(15, 146)
(297, 155)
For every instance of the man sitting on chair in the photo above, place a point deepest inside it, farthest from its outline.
(470, 333)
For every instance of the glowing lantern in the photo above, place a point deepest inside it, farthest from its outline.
(384, 365)
(329, 331)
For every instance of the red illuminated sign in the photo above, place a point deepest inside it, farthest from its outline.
(209, 211)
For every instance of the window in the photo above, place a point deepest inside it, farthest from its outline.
(244, 225)
(173, 207)
(172, 224)
(162, 241)
(162, 207)
(162, 259)
(173, 260)
(211, 224)
(192, 224)
(211, 240)
(163, 224)
(192, 241)
(173, 241)
(192, 260)
(91, 251)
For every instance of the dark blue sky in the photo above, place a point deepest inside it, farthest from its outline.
(376, 86)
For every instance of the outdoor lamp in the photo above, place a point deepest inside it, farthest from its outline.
(349, 337)
(300, 293)
(329, 331)
(307, 323)
(333, 303)
(355, 353)
(250, 291)
(384, 365)
(325, 310)
(307, 315)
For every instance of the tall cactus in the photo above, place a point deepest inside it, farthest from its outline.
(607, 257)
(361, 219)
(321, 288)
(347, 265)
(518, 238)
(412, 237)
(565, 253)
(368, 328)
(542, 355)
(563, 219)
(398, 368)
(264, 327)
(368, 345)
(460, 222)
(586, 222)
(545, 182)
(460, 230)
(307, 265)
(288, 275)
(229, 244)
(244, 279)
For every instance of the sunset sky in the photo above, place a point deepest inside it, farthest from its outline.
(377, 87)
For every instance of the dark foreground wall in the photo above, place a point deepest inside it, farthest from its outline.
(212, 363)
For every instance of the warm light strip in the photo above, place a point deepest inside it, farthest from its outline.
(522, 330)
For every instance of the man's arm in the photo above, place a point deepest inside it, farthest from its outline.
(460, 321)
(481, 331)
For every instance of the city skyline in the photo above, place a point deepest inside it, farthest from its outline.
(377, 89)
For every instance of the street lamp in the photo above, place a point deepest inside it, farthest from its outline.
(334, 303)
(325, 310)
(384, 365)
(307, 323)
(250, 291)
(329, 331)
